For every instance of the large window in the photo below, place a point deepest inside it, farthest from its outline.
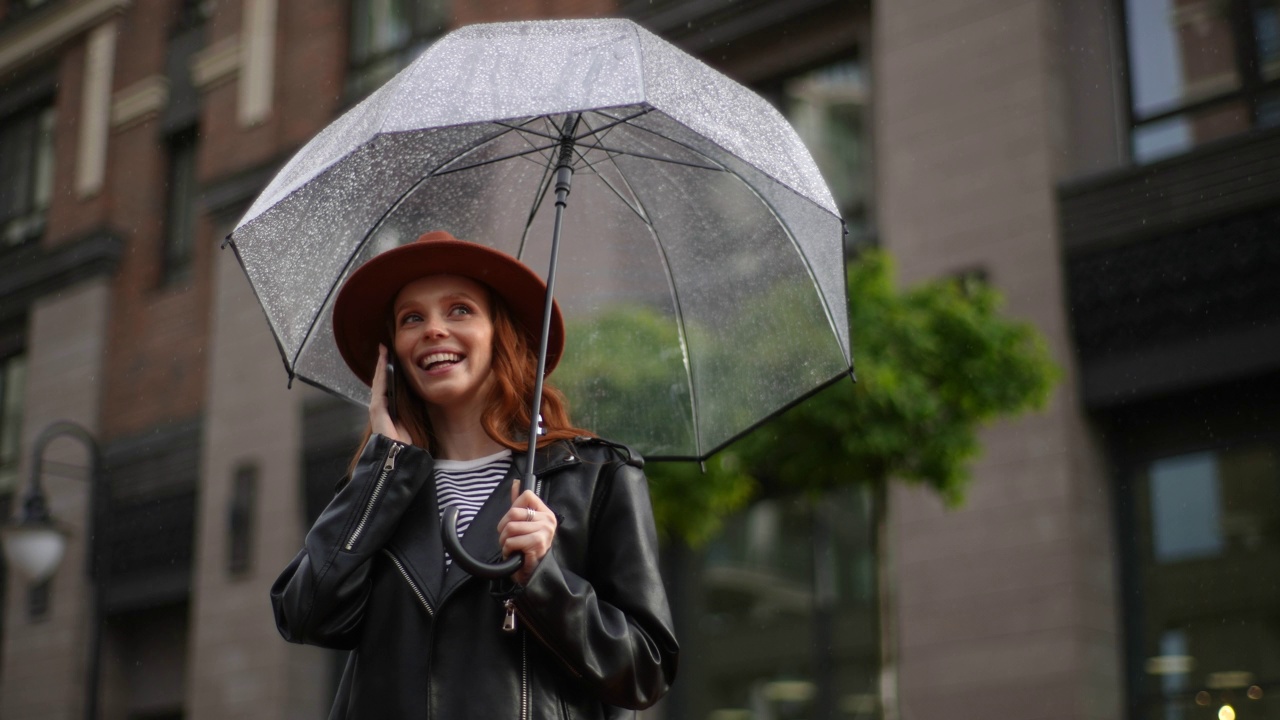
(26, 172)
(1208, 555)
(387, 35)
(783, 606)
(1200, 70)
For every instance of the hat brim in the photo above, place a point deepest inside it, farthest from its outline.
(363, 305)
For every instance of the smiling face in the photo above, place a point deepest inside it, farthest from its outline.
(444, 340)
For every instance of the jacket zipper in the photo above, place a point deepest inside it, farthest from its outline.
(524, 676)
(387, 466)
(510, 622)
(412, 586)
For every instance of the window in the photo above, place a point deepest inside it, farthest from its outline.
(387, 35)
(12, 381)
(827, 107)
(1208, 608)
(26, 172)
(785, 613)
(1200, 70)
(240, 514)
(180, 206)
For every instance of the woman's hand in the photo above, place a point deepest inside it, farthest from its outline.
(379, 417)
(527, 528)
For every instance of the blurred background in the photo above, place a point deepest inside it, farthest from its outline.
(1111, 166)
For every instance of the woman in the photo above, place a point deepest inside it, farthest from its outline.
(582, 628)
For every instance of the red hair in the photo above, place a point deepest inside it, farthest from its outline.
(505, 417)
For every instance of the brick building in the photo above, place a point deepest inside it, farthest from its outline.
(1108, 164)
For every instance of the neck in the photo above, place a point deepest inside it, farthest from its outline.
(459, 434)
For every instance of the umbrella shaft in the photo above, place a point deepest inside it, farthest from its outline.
(564, 178)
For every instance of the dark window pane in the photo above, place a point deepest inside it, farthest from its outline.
(1180, 51)
(12, 382)
(180, 222)
(26, 173)
(1266, 37)
(240, 520)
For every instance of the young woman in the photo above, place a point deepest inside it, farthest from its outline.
(582, 629)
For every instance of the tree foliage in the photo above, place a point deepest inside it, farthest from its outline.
(934, 363)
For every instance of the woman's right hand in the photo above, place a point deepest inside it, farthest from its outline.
(379, 416)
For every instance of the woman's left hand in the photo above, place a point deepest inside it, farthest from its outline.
(527, 528)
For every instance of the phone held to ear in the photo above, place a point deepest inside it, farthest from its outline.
(391, 390)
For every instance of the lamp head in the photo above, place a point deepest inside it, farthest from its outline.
(34, 544)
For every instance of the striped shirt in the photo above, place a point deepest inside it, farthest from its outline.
(466, 484)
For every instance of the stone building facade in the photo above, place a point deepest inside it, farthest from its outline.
(1128, 210)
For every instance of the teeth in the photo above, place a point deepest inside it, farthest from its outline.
(434, 358)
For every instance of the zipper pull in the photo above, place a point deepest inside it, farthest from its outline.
(509, 622)
(390, 464)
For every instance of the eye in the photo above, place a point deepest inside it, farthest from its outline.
(460, 309)
(410, 317)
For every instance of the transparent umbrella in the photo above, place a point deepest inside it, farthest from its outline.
(701, 255)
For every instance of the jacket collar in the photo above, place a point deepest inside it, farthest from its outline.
(418, 545)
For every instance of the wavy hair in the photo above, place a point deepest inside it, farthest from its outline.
(505, 417)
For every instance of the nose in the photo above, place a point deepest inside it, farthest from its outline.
(434, 327)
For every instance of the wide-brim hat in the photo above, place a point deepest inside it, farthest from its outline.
(363, 308)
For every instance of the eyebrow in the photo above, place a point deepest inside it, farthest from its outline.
(451, 296)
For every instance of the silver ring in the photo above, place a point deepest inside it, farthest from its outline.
(529, 515)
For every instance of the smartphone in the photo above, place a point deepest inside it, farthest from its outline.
(391, 389)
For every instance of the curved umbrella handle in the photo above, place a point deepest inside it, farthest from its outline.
(464, 559)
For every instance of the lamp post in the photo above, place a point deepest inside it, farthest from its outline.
(35, 544)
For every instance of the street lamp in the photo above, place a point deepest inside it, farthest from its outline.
(35, 544)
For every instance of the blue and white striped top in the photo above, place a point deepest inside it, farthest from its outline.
(466, 484)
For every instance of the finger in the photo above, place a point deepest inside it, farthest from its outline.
(379, 385)
(529, 500)
(515, 490)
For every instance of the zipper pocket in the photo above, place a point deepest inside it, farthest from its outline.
(412, 586)
(387, 466)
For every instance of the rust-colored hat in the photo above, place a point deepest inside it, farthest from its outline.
(364, 303)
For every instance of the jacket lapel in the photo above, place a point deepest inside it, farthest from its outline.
(418, 545)
(481, 539)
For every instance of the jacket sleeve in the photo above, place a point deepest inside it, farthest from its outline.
(614, 629)
(320, 597)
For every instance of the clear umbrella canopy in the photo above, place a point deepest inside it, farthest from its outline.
(701, 258)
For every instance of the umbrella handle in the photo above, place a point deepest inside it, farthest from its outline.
(464, 559)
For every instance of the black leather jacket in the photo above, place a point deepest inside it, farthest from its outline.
(593, 635)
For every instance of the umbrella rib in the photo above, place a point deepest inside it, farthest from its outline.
(306, 337)
(610, 126)
(681, 330)
(804, 259)
(490, 161)
(543, 185)
(655, 158)
(607, 183)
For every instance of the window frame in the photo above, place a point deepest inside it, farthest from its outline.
(424, 28)
(1135, 561)
(1252, 86)
(29, 114)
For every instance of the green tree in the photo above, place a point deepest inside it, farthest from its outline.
(934, 364)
